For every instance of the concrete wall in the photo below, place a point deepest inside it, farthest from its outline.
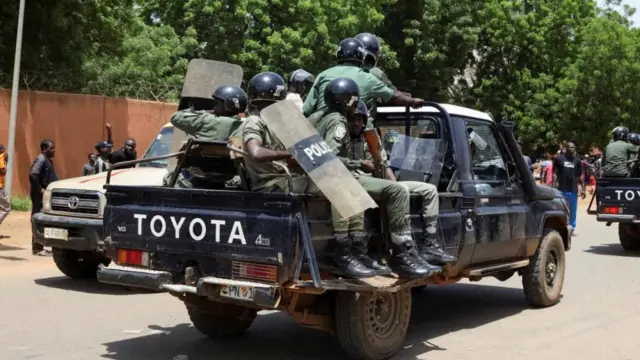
(76, 123)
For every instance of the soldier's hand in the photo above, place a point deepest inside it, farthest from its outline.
(417, 103)
(368, 166)
(107, 125)
(292, 163)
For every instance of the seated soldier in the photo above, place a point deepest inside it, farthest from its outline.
(341, 97)
(263, 148)
(431, 250)
(618, 153)
(216, 125)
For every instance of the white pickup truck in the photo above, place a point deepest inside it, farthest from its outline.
(71, 218)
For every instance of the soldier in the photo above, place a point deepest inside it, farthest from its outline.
(216, 125)
(373, 48)
(350, 58)
(431, 250)
(263, 148)
(616, 155)
(300, 83)
(342, 96)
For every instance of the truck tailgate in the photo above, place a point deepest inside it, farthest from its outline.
(194, 227)
(618, 199)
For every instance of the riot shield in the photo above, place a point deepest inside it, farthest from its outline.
(315, 157)
(202, 78)
(418, 159)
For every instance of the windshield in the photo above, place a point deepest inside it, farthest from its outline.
(160, 146)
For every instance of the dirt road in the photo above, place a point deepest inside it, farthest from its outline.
(47, 316)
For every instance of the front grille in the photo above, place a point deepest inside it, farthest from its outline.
(78, 203)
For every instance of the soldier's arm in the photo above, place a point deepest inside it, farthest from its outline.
(383, 77)
(308, 108)
(390, 96)
(253, 139)
(188, 121)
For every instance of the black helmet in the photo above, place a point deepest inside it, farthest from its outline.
(361, 110)
(634, 139)
(370, 42)
(342, 94)
(620, 133)
(233, 98)
(301, 77)
(350, 50)
(266, 87)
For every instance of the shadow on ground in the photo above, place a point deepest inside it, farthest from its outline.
(614, 249)
(90, 286)
(437, 312)
(9, 248)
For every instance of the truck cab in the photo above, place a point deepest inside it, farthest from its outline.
(71, 218)
(228, 253)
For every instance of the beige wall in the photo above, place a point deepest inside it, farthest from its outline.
(76, 123)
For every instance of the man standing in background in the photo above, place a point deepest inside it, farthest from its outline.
(5, 204)
(41, 174)
(125, 153)
(90, 167)
(568, 168)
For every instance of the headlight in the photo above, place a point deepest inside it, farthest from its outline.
(46, 201)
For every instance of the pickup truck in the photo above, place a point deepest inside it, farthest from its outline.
(228, 254)
(617, 200)
(71, 218)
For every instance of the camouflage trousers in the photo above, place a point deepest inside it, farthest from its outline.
(430, 202)
(390, 194)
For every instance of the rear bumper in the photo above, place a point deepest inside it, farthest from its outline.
(266, 296)
(617, 218)
(84, 234)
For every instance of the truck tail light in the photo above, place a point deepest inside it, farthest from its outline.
(133, 257)
(242, 270)
(612, 210)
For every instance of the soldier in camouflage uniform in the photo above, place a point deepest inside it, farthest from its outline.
(350, 58)
(342, 97)
(431, 249)
(373, 48)
(216, 125)
(300, 83)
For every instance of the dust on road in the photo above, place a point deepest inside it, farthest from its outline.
(47, 316)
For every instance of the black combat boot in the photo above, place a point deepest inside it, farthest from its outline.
(360, 251)
(407, 263)
(432, 251)
(346, 262)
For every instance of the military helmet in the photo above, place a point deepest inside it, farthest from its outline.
(350, 50)
(233, 98)
(342, 94)
(267, 87)
(361, 110)
(620, 133)
(634, 139)
(301, 77)
(370, 42)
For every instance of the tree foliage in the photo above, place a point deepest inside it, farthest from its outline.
(560, 69)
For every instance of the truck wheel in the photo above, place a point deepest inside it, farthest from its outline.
(77, 264)
(218, 326)
(628, 241)
(372, 327)
(542, 280)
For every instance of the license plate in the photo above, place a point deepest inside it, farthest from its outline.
(55, 233)
(237, 292)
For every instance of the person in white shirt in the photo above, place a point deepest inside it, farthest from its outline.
(300, 83)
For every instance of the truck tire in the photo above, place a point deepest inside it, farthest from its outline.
(218, 326)
(628, 241)
(372, 327)
(543, 278)
(77, 264)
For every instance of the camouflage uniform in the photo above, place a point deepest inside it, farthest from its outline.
(266, 176)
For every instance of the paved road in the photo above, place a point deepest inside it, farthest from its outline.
(46, 316)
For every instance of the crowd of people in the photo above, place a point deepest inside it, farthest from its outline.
(43, 172)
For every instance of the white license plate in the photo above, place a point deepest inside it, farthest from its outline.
(55, 233)
(237, 292)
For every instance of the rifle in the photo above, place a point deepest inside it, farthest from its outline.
(373, 142)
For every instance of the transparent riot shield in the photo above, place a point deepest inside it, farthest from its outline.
(418, 159)
(202, 78)
(315, 157)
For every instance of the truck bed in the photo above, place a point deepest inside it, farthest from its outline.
(617, 200)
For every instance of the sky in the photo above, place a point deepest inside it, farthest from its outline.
(633, 3)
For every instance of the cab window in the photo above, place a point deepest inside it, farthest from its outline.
(160, 146)
(487, 161)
